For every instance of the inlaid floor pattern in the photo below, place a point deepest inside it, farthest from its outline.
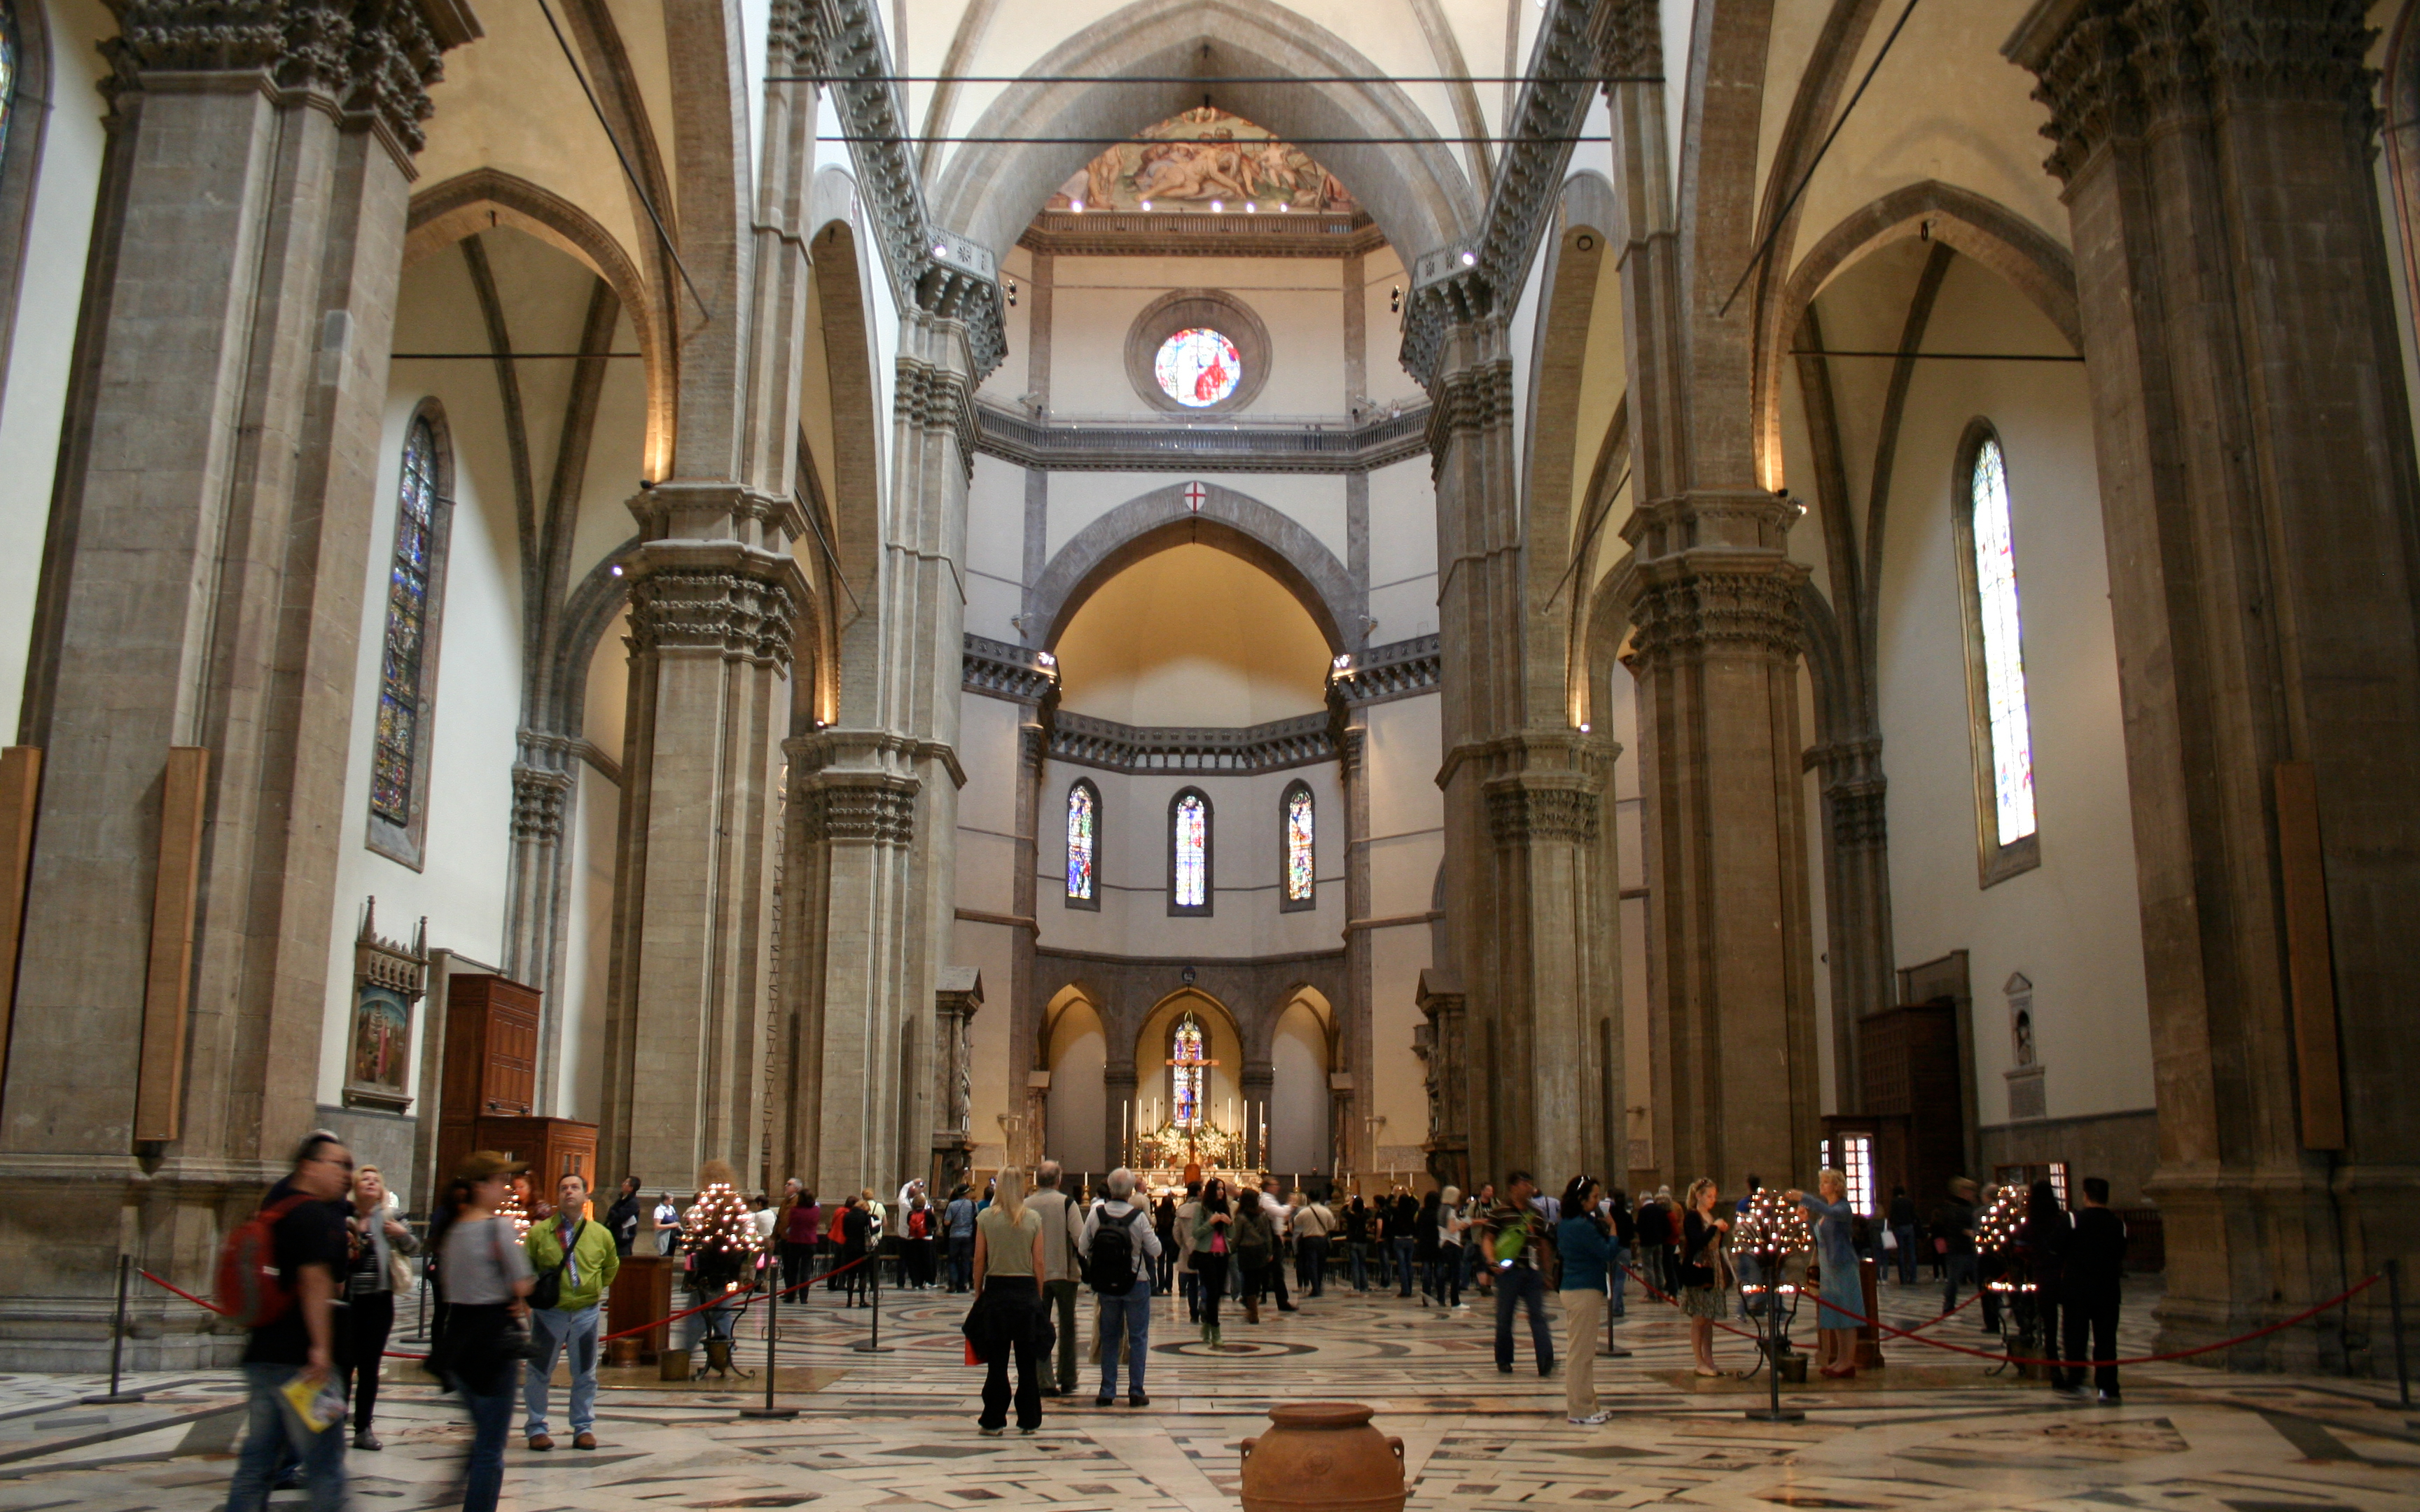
(896, 1429)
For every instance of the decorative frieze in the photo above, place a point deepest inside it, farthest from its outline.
(1262, 747)
(1684, 609)
(373, 58)
(738, 615)
(2110, 67)
(1090, 233)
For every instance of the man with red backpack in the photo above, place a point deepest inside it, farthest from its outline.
(288, 1298)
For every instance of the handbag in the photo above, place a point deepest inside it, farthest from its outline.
(1890, 1242)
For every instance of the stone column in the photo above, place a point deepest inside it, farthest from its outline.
(202, 587)
(535, 897)
(1857, 901)
(1355, 1144)
(712, 626)
(956, 999)
(2252, 433)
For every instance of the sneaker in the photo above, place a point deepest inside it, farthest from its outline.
(2109, 1398)
(1027, 1431)
(1602, 1414)
(991, 1433)
(367, 1440)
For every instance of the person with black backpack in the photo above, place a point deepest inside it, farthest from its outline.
(280, 1279)
(1118, 1246)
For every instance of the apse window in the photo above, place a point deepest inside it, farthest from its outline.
(1189, 852)
(1301, 882)
(1198, 368)
(1083, 845)
(1995, 666)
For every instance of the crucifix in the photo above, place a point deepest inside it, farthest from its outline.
(1190, 1066)
(1194, 496)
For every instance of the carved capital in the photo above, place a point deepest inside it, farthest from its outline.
(540, 798)
(2108, 69)
(1687, 608)
(1860, 814)
(370, 61)
(929, 397)
(863, 808)
(714, 597)
(1468, 401)
(1524, 810)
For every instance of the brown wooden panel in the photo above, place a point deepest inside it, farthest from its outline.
(21, 785)
(167, 987)
(2309, 967)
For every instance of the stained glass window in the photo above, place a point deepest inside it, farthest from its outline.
(2004, 662)
(1083, 819)
(8, 68)
(1185, 1062)
(1198, 368)
(400, 713)
(1298, 875)
(1190, 835)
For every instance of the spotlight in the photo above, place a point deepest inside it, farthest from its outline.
(1146, 204)
(1470, 259)
(617, 569)
(1217, 206)
(1395, 299)
(939, 251)
(1584, 729)
(1077, 206)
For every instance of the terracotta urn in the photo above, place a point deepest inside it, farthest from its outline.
(1324, 1456)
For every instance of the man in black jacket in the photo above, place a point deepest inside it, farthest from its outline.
(312, 1252)
(2096, 1268)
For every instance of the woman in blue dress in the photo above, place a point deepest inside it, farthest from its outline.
(1842, 1297)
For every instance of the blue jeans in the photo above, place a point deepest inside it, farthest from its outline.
(962, 1262)
(553, 1331)
(491, 1420)
(1526, 1285)
(1905, 1234)
(324, 1461)
(1403, 1249)
(1620, 1276)
(1128, 1317)
(1360, 1248)
(1962, 1268)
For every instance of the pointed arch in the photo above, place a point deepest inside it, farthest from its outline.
(1418, 195)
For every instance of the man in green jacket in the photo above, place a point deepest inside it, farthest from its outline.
(589, 1257)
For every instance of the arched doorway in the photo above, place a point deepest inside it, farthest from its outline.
(1298, 1116)
(1073, 1133)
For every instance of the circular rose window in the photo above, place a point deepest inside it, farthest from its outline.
(1198, 368)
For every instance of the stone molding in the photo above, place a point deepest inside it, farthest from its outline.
(1469, 400)
(679, 509)
(1082, 741)
(1398, 670)
(843, 40)
(2109, 67)
(1230, 446)
(368, 62)
(931, 398)
(716, 596)
(1579, 42)
(1524, 810)
(1192, 234)
(998, 669)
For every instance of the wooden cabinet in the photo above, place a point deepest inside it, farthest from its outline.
(490, 1070)
(555, 1148)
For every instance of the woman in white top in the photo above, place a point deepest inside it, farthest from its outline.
(1452, 1224)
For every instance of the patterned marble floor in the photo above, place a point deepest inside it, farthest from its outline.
(895, 1429)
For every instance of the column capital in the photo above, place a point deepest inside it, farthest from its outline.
(1696, 602)
(2107, 67)
(364, 61)
(871, 808)
(693, 509)
(1524, 808)
(931, 396)
(719, 596)
(538, 801)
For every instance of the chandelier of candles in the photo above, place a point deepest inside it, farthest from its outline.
(1996, 1229)
(1771, 1226)
(721, 1222)
(513, 1210)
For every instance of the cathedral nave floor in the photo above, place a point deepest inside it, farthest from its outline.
(896, 1429)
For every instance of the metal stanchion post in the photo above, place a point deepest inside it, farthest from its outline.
(871, 1343)
(2395, 1321)
(117, 1342)
(773, 1332)
(1769, 1326)
(1611, 1349)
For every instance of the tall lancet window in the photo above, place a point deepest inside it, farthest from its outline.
(1083, 845)
(1184, 1062)
(1996, 662)
(1301, 880)
(406, 688)
(1189, 852)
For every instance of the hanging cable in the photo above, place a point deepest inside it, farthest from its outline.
(627, 172)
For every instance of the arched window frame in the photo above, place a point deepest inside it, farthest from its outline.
(1287, 901)
(1995, 862)
(21, 154)
(1209, 855)
(1067, 818)
(406, 842)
